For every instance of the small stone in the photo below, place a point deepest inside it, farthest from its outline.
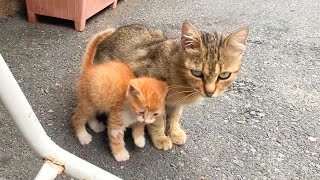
(45, 91)
(205, 159)
(181, 164)
(252, 112)
(172, 165)
(202, 178)
(281, 155)
(50, 111)
(121, 167)
(279, 159)
(304, 168)
(255, 120)
(312, 139)
(238, 162)
(314, 153)
(241, 122)
(247, 106)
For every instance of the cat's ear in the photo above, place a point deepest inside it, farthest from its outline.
(190, 38)
(237, 41)
(133, 90)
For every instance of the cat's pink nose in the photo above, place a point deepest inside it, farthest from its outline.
(209, 89)
(209, 94)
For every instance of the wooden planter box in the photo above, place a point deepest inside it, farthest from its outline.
(76, 10)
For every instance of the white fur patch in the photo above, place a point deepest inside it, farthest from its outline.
(116, 132)
(140, 141)
(84, 137)
(128, 118)
(96, 126)
(123, 155)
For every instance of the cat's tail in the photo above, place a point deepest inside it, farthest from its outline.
(92, 47)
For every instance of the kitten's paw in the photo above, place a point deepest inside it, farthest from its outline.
(162, 142)
(84, 138)
(96, 126)
(178, 137)
(140, 141)
(123, 155)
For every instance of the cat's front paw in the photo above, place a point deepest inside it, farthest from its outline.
(84, 138)
(140, 141)
(162, 142)
(123, 155)
(178, 137)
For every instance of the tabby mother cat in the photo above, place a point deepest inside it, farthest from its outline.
(197, 65)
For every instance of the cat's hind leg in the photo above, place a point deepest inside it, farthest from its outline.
(138, 135)
(82, 113)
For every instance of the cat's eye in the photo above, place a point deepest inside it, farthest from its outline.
(196, 73)
(224, 75)
(156, 114)
(141, 113)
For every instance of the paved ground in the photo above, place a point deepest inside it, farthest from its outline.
(266, 127)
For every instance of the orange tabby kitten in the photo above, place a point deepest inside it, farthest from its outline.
(112, 87)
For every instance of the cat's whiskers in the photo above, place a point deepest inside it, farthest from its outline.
(181, 86)
(179, 93)
(170, 88)
(182, 99)
(186, 97)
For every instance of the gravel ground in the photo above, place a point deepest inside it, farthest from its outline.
(266, 127)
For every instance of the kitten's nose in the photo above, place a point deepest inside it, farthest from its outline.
(209, 94)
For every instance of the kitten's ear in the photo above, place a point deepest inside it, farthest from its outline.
(133, 90)
(190, 38)
(237, 41)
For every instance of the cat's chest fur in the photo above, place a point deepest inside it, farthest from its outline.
(127, 117)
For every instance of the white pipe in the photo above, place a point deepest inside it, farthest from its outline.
(49, 171)
(22, 114)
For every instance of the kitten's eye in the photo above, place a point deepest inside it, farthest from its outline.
(196, 73)
(141, 113)
(224, 75)
(156, 114)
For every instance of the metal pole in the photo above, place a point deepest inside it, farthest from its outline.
(49, 171)
(25, 119)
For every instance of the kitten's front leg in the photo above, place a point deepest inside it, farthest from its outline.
(116, 139)
(138, 135)
(177, 135)
(157, 134)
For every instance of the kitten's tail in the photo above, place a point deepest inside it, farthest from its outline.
(92, 47)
